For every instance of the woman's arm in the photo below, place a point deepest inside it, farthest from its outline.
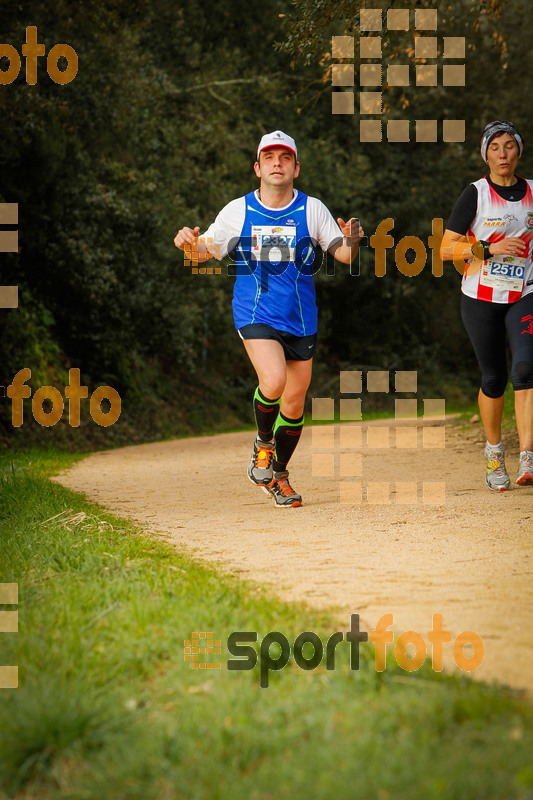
(462, 249)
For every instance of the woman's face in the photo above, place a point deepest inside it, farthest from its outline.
(502, 155)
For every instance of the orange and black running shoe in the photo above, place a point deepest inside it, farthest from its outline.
(260, 467)
(282, 492)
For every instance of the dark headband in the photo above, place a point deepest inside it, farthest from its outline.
(499, 126)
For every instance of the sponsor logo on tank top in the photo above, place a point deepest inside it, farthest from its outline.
(501, 222)
(529, 327)
(495, 222)
(529, 220)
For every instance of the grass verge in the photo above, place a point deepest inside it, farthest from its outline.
(108, 708)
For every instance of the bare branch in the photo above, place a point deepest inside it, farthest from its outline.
(258, 78)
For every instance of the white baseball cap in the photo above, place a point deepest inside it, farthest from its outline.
(277, 139)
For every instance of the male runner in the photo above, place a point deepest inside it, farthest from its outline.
(274, 230)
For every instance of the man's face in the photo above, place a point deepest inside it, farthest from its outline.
(277, 166)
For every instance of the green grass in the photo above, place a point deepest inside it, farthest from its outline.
(108, 708)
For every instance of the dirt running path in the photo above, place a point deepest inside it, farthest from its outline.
(469, 559)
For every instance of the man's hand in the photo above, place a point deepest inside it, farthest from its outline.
(346, 251)
(186, 237)
(351, 230)
(196, 250)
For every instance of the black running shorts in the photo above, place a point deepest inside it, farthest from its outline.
(296, 348)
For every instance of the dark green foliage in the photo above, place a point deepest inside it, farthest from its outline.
(158, 130)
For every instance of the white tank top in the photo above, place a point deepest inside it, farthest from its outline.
(501, 279)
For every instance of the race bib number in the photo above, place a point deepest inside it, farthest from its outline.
(274, 243)
(504, 272)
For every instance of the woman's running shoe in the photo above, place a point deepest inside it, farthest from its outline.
(525, 469)
(497, 477)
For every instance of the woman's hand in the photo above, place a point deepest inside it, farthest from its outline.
(513, 246)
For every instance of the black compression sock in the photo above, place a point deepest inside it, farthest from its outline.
(286, 435)
(266, 412)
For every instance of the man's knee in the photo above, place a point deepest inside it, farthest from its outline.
(272, 385)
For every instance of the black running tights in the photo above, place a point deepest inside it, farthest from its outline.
(487, 324)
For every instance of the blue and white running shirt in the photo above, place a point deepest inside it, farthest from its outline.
(274, 255)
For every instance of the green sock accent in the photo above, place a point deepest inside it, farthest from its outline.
(260, 396)
(294, 423)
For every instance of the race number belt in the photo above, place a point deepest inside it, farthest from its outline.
(504, 272)
(274, 243)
